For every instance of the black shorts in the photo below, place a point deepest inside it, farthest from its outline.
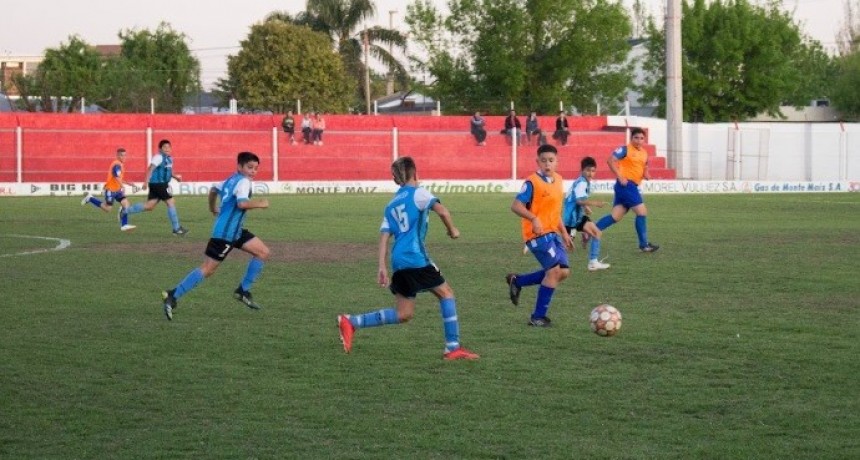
(410, 281)
(159, 192)
(579, 225)
(218, 249)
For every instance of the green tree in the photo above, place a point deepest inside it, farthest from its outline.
(738, 60)
(155, 65)
(534, 53)
(343, 22)
(66, 75)
(846, 87)
(280, 63)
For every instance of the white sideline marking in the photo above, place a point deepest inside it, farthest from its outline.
(61, 244)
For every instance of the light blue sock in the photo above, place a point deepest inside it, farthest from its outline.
(642, 230)
(174, 219)
(448, 308)
(255, 266)
(374, 318)
(94, 201)
(544, 297)
(594, 251)
(135, 208)
(530, 279)
(191, 280)
(605, 222)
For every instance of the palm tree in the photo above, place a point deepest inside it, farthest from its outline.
(342, 21)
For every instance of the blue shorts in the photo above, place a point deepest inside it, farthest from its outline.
(549, 251)
(627, 196)
(110, 197)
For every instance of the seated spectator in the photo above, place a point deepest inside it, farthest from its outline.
(479, 129)
(306, 128)
(562, 130)
(289, 126)
(512, 125)
(533, 129)
(318, 126)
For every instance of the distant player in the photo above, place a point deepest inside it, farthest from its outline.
(113, 191)
(228, 233)
(629, 163)
(539, 206)
(577, 208)
(158, 174)
(406, 219)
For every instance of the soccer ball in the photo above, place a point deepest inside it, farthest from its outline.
(605, 320)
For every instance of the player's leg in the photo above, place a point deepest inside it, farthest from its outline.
(123, 215)
(174, 217)
(91, 200)
(641, 225)
(451, 324)
(216, 252)
(553, 257)
(594, 262)
(404, 285)
(260, 254)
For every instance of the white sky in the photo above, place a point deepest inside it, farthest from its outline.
(215, 28)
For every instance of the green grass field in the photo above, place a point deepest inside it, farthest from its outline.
(740, 338)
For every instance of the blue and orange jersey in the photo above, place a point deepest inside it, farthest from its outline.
(631, 162)
(543, 196)
(407, 218)
(114, 177)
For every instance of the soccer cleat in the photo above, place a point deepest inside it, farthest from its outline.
(128, 228)
(649, 248)
(594, 265)
(346, 331)
(246, 298)
(86, 199)
(169, 303)
(181, 231)
(540, 322)
(459, 353)
(513, 289)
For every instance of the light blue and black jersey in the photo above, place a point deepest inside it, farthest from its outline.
(234, 190)
(163, 171)
(407, 218)
(573, 212)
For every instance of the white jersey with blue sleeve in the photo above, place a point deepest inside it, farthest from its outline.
(234, 190)
(579, 191)
(407, 218)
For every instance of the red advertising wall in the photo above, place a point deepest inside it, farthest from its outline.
(79, 147)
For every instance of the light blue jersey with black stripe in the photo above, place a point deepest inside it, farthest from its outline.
(163, 171)
(234, 190)
(407, 218)
(579, 191)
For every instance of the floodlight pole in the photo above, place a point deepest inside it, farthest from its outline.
(674, 88)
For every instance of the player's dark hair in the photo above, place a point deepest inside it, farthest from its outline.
(546, 148)
(403, 170)
(587, 162)
(120, 150)
(244, 158)
(162, 142)
(636, 131)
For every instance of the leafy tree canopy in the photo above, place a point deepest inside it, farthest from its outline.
(534, 53)
(280, 63)
(738, 60)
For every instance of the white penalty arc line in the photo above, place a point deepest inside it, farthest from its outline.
(61, 244)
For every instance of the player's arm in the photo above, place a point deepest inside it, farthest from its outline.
(612, 162)
(565, 236)
(382, 273)
(256, 203)
(148, 175)
(445, 215)
(645, 173)
(519, 208)
(213, 200)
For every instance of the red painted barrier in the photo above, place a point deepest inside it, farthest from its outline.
(79, 148)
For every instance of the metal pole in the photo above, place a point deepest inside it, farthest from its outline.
(19, 153)
(395, 144)
(674, 90)
(514, 139)
(274, 154)
(367, 71)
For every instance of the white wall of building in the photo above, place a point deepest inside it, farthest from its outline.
(768, 151)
